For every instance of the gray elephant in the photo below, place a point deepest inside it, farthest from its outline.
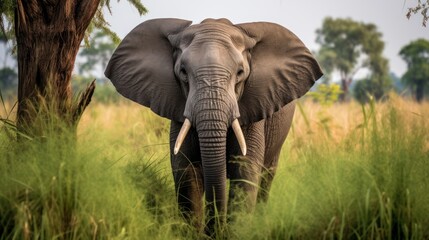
(228, 91)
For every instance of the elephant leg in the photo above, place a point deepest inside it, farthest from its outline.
(245, 171)
(276, 130)
(267, 177)
(187, 174)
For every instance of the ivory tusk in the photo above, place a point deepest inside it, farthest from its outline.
(182, 134)
(240, 137)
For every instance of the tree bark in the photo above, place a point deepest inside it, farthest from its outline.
(48, 34)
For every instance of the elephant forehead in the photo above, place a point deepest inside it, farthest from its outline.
(213, 32)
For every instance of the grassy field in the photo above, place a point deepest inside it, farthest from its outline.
(346, 172)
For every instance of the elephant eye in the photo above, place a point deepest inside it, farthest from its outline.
(240, 74)
(183, 73)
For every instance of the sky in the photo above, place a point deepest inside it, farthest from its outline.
(303, 17)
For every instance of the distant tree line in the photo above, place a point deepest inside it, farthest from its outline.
(348, 46)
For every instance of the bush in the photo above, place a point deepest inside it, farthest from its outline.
(366, 89)
(326, 94)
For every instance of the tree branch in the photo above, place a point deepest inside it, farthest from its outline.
(83, 101)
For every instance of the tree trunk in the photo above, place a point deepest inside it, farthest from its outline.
(48, 35)
(345, 85)
(420, 91)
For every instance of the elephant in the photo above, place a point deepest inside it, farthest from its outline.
(229, 91)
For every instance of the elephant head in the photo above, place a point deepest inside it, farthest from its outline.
(212, 76)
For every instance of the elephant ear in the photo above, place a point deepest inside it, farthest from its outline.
(282, 69)
(141, 68)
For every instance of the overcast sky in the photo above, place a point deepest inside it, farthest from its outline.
(301, 16)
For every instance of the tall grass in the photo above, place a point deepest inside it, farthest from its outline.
(346, 172)
(365, 177)
(99, 188)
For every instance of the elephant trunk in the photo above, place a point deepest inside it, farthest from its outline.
(211, 123)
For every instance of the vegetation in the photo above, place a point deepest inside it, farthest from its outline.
(358, 172)
(416, 54)
(325, 94)
(368, 88)
(348, 46)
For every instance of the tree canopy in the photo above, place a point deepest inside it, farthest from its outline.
(348, 46)
(416, 55)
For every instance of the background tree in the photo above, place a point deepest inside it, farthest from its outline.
(416, 54)
(8, 80)
(422, 7)
(8, 75)
(96, 55)
(366, 89)
(348, 46)
(91, 63)
(48, 35)
(3, 38)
